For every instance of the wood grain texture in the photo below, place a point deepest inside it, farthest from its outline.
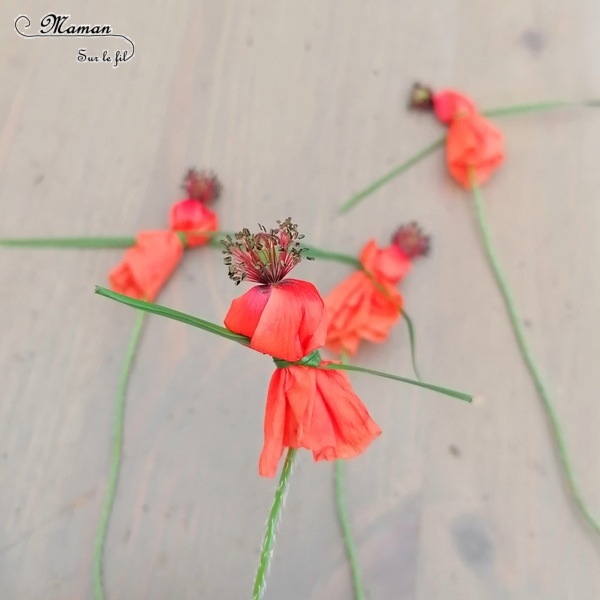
(297, 106)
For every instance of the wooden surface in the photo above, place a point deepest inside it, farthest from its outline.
(297, 106)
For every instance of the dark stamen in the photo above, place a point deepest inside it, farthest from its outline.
(265, 257)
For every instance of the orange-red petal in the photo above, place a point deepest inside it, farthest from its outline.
(147, 265)
(366, 306)
(388, 265)
(190, 216)
(473, 144)
(286, 320)
(341, 425)
(245, 312)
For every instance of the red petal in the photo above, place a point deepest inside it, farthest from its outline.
(293, 322)
(245, 312)
(339, 415)
(275, 412)
(448, 104)
(191, 216)
(473, 143)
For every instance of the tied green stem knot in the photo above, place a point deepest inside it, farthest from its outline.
(310, 360)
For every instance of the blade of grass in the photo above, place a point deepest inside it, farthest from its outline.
(169, 313)
(422, 384)
(163, 311)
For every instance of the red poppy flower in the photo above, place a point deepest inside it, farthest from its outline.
(190, 216)
(283, 318)
(366, 305)
(147, 265)
(447, 104)
(314, 409)
(473, 145)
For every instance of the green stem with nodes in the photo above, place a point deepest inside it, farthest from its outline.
(504, 111)
(269, 539)
(116, 459)
(169, 313)
(527, 355)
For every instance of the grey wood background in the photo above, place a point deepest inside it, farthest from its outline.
(296, 106)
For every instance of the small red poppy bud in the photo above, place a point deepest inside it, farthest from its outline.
(202, 186)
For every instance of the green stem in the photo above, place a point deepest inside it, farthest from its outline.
(313, 252)
(116, 459)
(269, 539)
(359, 592)
(503, 111)
(540, 386)
(413, 343)
(395, 172)
(96, 242)
(343, 520)
(70, 242)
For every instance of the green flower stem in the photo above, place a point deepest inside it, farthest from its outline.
(342, 513)
(128, 241)
(395, 172)
(70, 242)
(116, 459)
(269, 539)
(96, 242)
(503, 111)
(413, 343)
(540, 386)
(313, 252)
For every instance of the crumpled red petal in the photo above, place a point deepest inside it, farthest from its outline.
(314, 409)
(473, 143)
(146, 266)
(366, 307)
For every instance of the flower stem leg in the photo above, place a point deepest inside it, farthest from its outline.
(116, 459)
(269, 539)
(359, 592)
(540, 386)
